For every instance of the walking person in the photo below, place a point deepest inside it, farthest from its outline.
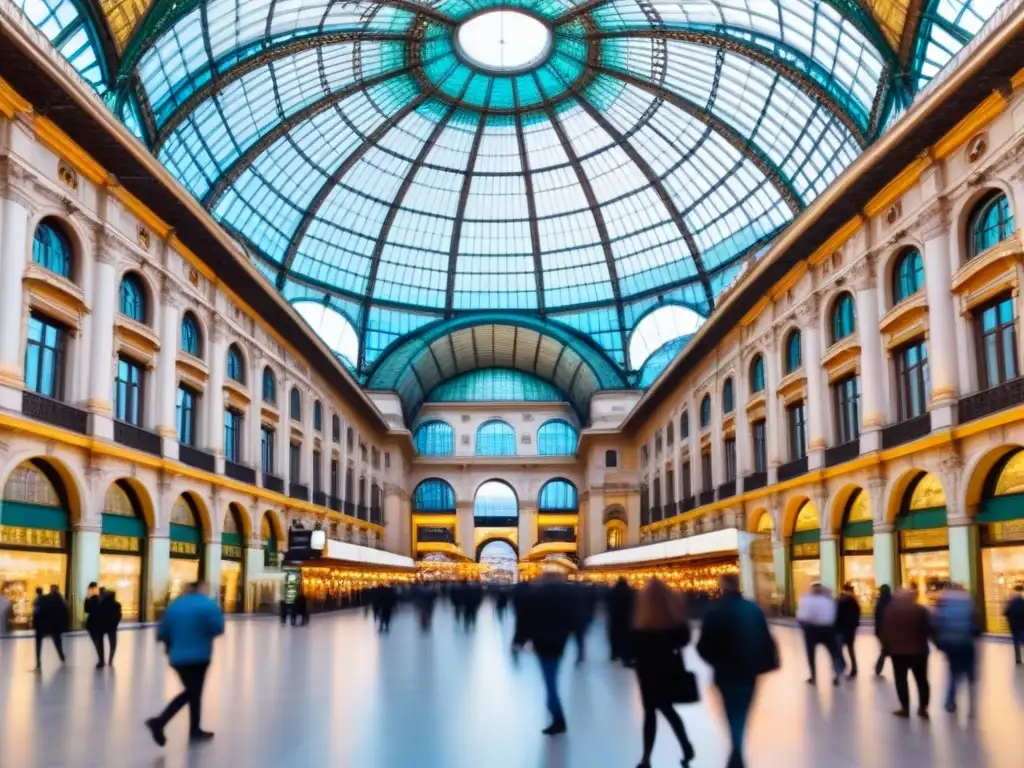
(816, 614)
(584, 615)
(660, 631)
(620, 614)
(187, 629)
(881, 606)
(92, 621)
(6, 609)
(736, 644)
(109, 619)
(545, 620)
(50, 618)
(1014, 613)
(905, 633)
(847, 621)
(957, 628)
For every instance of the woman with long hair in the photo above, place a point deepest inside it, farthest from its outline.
(660, 631)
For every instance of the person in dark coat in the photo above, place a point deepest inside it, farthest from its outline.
(906, 630)
(92, 624)
(1014, 613)
(847, 621)
(736, 643)
(620, 617)
(386, 600)
(50, 616)
(881, 606)
(545, 620)
(584, 615)
(109, 619)
(660, 630)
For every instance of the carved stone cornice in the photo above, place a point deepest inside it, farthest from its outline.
(862, 273)
(933, 220)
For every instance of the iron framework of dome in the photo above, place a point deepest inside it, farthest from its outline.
(640, 156)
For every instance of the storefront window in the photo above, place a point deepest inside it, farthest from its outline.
(182, 573)
(122, 545)
(1001, 526)
(231, 586)
(805, 550)
(858, 550)
(123, 575)
(924, 538)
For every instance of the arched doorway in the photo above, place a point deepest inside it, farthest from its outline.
(496, 505)
(858, 548)
(500, 561)
(762, 556)
(1000, 521)
(35, 525)
(123, 548)
(186, 544)
(271, 540)
(923, 536)
(805, 550)
(232, 552)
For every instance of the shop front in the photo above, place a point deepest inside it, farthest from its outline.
(232, 552)
(762, 557)
(186, 546)
(924, 538)
(805, 552)
(1000, 521)
(35, 538)
(122, 549)
(858, 550)
(336, 574)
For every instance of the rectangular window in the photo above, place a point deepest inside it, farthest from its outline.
(267, 450)
(687, 480)
(232, 435)
(730, 459)
(847, 394)
(797, 418)
(912, 383)
(706, 478)
(645, 456)
(128, 391)
(318, 480)
(188, 403)
(294, 461)
(44, 357)
(759, 436)
(335, 480)
(670, 490)
(997, 343)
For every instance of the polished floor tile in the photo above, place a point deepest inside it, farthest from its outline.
(336, 694)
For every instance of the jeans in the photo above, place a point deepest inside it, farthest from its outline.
(737, 699)
(193, 677)
(882, 656)
(847, 643)
(962, 665)
(918, 665)
(112, 639)
(549, 669)
(815, 636)
(1018, 641)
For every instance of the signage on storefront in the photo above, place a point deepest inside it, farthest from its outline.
(928, 538)
(184, 548)
(230, 552)
(1007, 532)
(120, 543)
(859, 544)
(808, 550)
(38, 538)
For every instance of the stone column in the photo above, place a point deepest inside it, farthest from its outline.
(284, 430)
(101, 361)
(14, 245)
(398, 514)
(885, 548)
(214, 395)
(253, 419)
(527, 527)
(211, 559)
(963, 553)
(748, 583)
(811, 324)
(166, 370)
(158, 567)
(775, 433)
(251, 572)
(464, 528)
(781, 558)
(829, 557)
(872, 414)
(942, 352)
(85, 560)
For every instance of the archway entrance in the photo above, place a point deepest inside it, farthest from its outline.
(496, 505)
(499, 560)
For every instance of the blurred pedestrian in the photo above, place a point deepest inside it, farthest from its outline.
(620, 617)
(957, 627)
(109, 620)
(501, 602)
(847, 621)
(50, 619)
(386, 600)
(1014, 613)
(6, 610)
(660, 630)
(92, 622)
(187, 629)
(816, 614)
(736, 643)
(584, 615)
(881, 606)
(905, 633)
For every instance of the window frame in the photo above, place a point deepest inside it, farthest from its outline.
(758, 381)
(186, 415)
(794, 353)
(191, 336)
(901, 275)
(562, 443)
(911, 377)
(268, 437)
(796, 426)
(847, 405)
(843, 317)
(233, 428)
(47, 377)
(508, 432)
(728, 397)
(295, 404)
(759, 444)
(133, 388)
(1006, 350)
(705, 412)
(43, 255)
(132, 301)
(997, 201)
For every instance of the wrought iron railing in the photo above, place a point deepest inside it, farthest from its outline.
(54, 412)
(196, 458)
(837, 454)
(793, 469)
(727, 490)
(350, 508)
(240, 472)
(706, 497)
(907, 430)
(496, 521)
(298, 491)
(688, 503)
(320, 498)
(998, 398)
(334, 503)
(376, 515)
(755, 480)
(273, 483)
(136, 437)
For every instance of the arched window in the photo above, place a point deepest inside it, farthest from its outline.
(318, 416)
(191, 340)
(434, 438)
(727, 397)
(660, 326)
(757, 375)
(295, 405)
(684, 426)
(269, 386)
(907, 275)
(557, 496)
(495, 499)
(336, 428)
(611, 459)
(495, 438)
(991, 222)
(236, 367)
(434, 496)
(844, 321)
(333, 327)
(51, 248)
(705, 412)
(670, 434)
(794, 355)
(133, 298)
(556, 438)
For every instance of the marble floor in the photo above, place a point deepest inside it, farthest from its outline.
(336, 694)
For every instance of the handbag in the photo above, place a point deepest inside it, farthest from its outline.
(682, 683)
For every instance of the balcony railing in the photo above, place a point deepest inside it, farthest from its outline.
(998, 398)
(376, 515)
(334, 503)
(430, 534)
(688, 503)
(273, 483)
(298, 491)
(656, 514)
(727, 490)
(837, 454)
(706, 497)
(54, 412)
(196, 458)
(755, 480)
(240, 472)
(350, 508)
(793, 468)
(495, 521)
(905, 431)
(136, 437)
(320, 498)
(560, 535)
(362, 512)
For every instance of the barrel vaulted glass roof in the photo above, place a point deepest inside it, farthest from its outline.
(564, 166)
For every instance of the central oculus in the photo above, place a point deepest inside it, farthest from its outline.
(504, 41)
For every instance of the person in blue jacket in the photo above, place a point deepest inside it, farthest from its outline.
(187, 630)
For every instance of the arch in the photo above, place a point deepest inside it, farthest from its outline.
(496, 540)
(760, 521)
(495, 437)
(790, 511)
(295, 404)
(195, 505)
(839, 506)
(908, 276)
(434, 438)
(557, 437)
(983, 475)
(269, 522)
(684, 426)
(902, 489)
(843, 317)
(497, 499)
(661, 324)
(728, 398)
(191, 335)
(558, 495)
(237, 517)
(705, 412)
(433, 495)
(68, 486)
(615, 532)
(133, 298)
(990, 222)
(52, 248)
(757, 375)
(269, 386)
(614, 512)
(236, 364)
(333, 328)
(141, 497)
(792, 356)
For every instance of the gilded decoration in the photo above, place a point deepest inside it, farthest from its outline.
(860, 509)
(68, 176)
(122, 17)
(1011, 479)
(928, 493)
(807, 518)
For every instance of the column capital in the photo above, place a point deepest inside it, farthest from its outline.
(807, 312)
(107, 241)
(959, 521)
(172, 296)
(933, 220)
(883, 527)
(863, 273)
